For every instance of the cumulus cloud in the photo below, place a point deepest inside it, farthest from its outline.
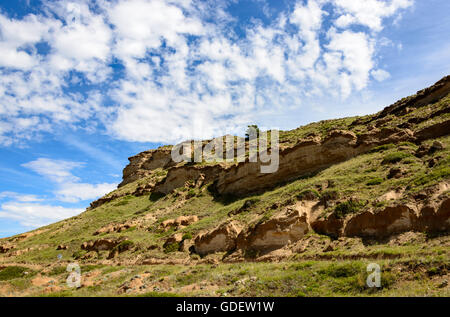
(164, 71)
(380, 74)
(69, 187)
(369, 13)
(36, 215)
(29, 210)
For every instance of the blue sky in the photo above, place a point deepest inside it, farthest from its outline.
(86, 84)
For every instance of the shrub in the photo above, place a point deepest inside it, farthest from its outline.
(435, 175)
(341, 270)
(191, 193)
(154, 196)
(394, 157)
(171, 247)
(309, 194)
(11, 272)
(187, 236)
(330, 195)
(78, 254)
(124, 246)
(382, 148)
(374, 181)
(348, 207)
(57, 270)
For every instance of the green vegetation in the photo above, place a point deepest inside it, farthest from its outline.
(375, 181)
(171, 247)
(348, 207)
(187, 236)
(12, 272)
(345, 188)
(394, 157)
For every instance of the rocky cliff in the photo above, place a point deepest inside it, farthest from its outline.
(346, 192)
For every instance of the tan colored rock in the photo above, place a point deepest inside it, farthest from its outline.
(142, 164)
(6, 248)
(391, 220)
(113, 228)
(186, 245)
(181, 221)
(434, 217)
(61, 247)
(330, 225)
(179, 175)
(176, 238)
(274, 233)
(222, 238)
(101, 244)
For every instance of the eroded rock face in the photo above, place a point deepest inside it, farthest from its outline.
(101, 244)
(391, 220)
(176, 238)
(275, 232)
(178, 176)
(142, 164)
(331, 226)
(6, 248)
(422, 98)
(306, 157)
(181, 221)
(222, 238)
(434, 217)
(113, 228)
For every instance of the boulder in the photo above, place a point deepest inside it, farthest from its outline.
(222, 238)
(274, 233)
(331, 225)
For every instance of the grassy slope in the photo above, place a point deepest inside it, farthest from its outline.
(310, 273)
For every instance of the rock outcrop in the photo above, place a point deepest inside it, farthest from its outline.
(179, 222)
(307, 157)
(391, 220)
(274, 233)
(6, 248)
(222, 238)
(142, 164)
(331, 225)
(420, 99)
(101, 244)
(398, 219)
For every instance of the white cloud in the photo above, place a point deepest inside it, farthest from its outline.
(36, 215)
(357, 58)
(184, 67)
(380, 74)
(369, 13)
(29, 210)
(58, 171)
(69, 187)
(74, 192)
(19, 197)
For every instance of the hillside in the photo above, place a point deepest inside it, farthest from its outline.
(348, 192)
